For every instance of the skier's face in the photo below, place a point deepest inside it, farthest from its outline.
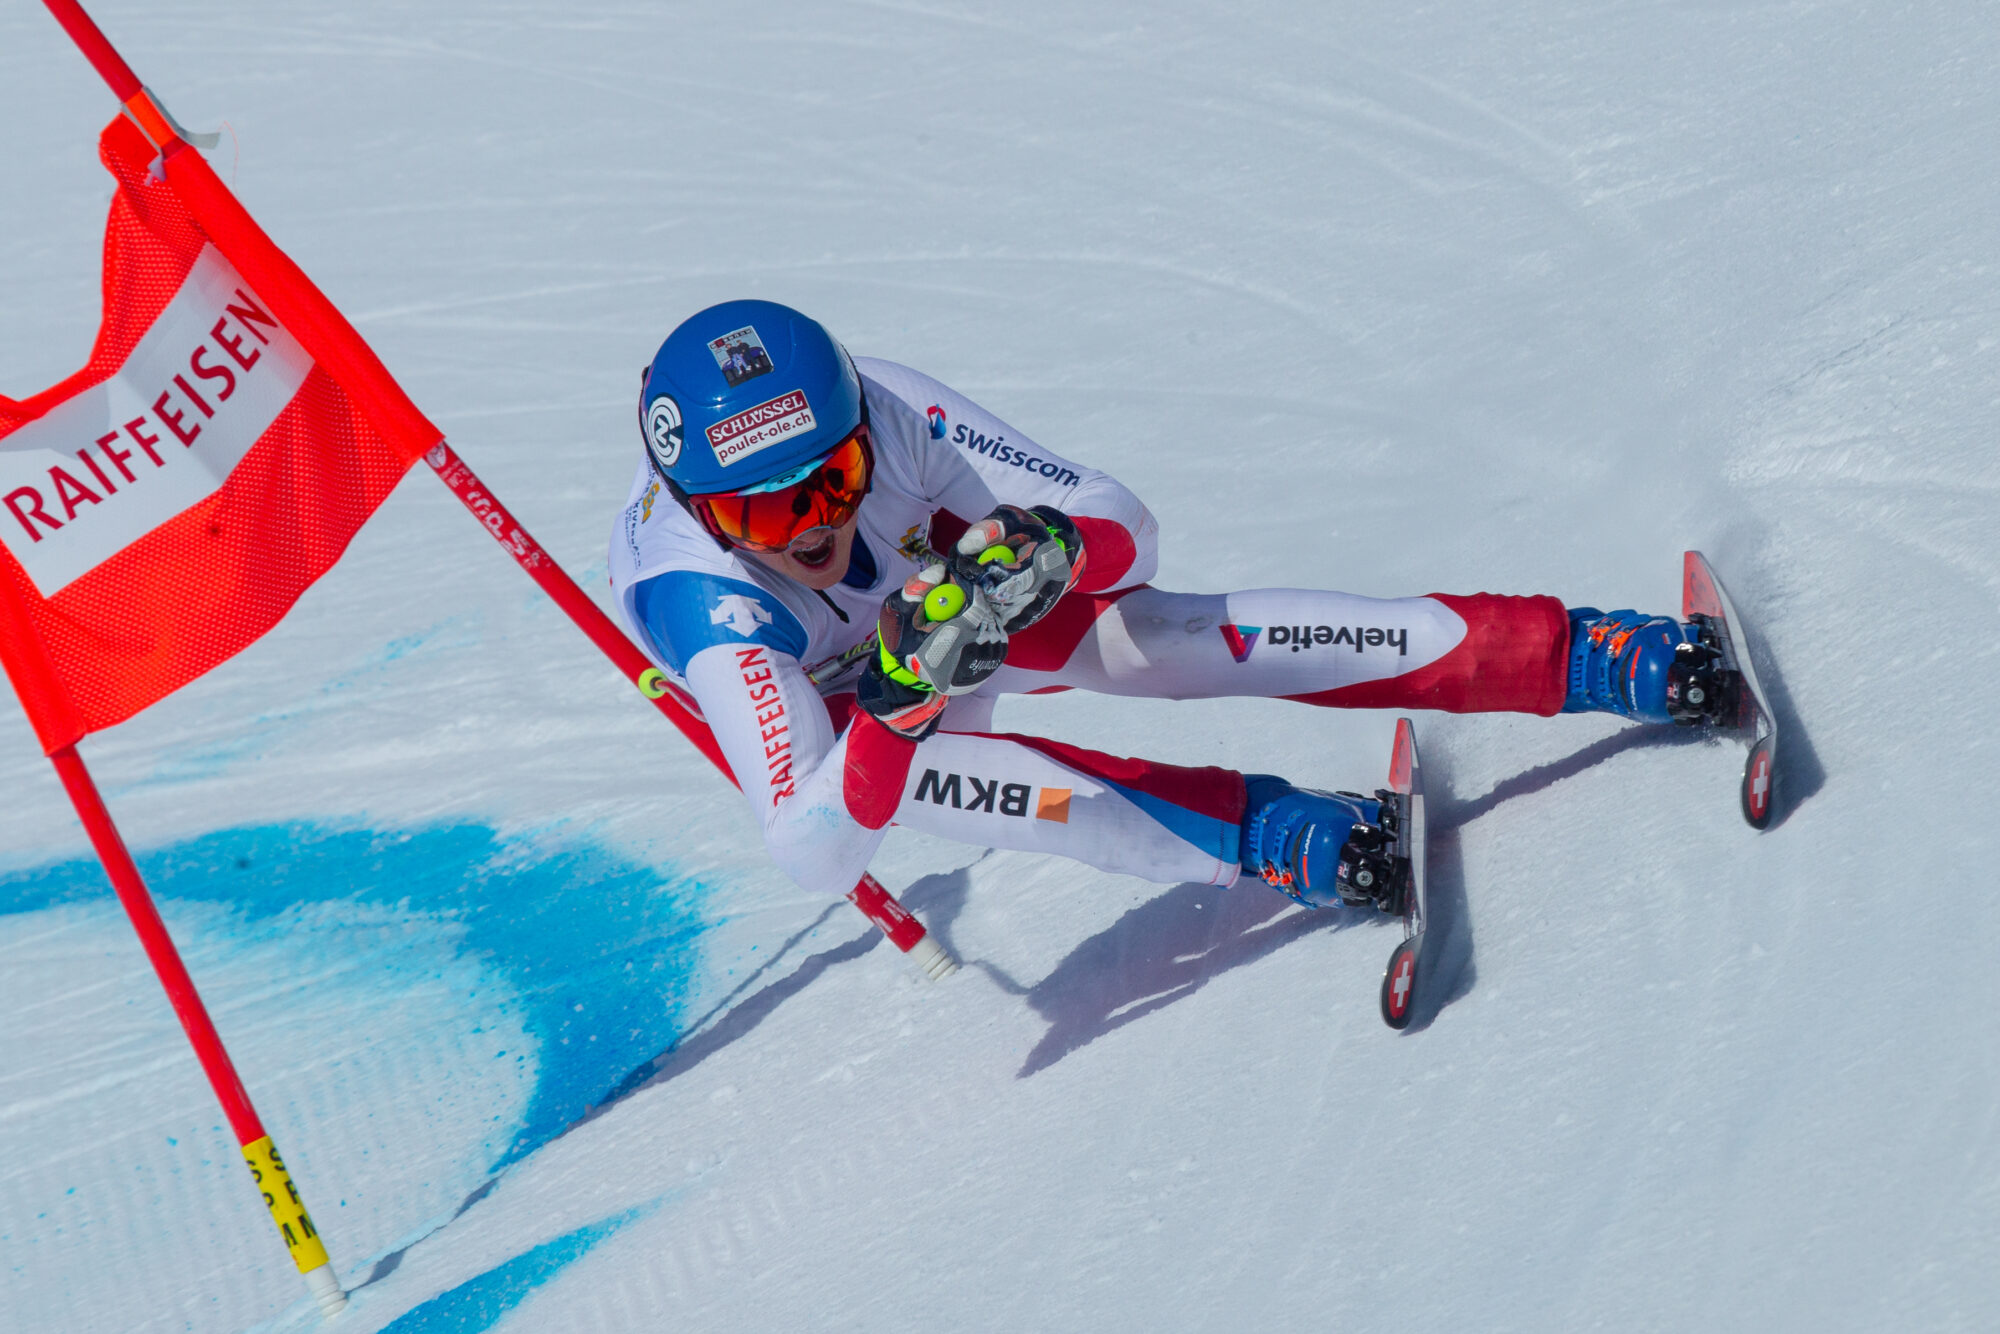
(819, 564)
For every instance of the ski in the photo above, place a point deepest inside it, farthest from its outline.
(1405, 796)
(1745, 709)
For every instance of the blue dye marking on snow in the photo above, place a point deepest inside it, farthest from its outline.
(206, 759)
(479, 1303)
(601, 952)
(399, 648)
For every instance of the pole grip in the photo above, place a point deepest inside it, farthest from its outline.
(879, 906)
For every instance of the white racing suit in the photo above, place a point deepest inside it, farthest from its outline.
(771, 665)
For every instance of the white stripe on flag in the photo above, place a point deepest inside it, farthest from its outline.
(110, 465)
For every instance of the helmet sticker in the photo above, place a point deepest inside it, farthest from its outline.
(663, 431)
(741, 355)
(736, 438)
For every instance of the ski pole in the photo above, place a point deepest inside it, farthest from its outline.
(877, 904)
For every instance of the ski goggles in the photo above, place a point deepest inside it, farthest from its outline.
(775, 515)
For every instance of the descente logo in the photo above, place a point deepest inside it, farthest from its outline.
(1242, 639)
(994, 796)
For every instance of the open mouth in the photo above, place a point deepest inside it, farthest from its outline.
(816, 556)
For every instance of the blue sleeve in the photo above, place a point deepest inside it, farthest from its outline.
(684, 612)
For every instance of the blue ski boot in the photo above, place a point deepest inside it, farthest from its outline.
(1322, 848)
(1651, 668)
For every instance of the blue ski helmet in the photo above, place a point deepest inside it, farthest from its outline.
(742, 393)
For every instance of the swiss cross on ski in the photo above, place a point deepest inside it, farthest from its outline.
(1408, 830)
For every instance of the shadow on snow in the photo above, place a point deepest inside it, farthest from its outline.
(1175, 943)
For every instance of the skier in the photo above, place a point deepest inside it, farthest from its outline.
(843, 563)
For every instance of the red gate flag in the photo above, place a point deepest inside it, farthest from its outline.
(163, 507)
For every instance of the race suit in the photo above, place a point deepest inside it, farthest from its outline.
(771, 665)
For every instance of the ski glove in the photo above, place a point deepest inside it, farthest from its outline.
(937, 637)
(1022, 559)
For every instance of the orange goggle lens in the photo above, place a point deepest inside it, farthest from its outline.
(772, 520)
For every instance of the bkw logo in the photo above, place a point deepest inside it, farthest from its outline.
(993, 796)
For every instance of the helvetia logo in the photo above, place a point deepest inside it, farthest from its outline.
(936, 415)
(1242, 639)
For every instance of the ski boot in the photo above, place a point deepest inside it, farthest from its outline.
(1650, 668)
(1323, 848)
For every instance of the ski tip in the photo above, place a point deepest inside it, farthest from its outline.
(1698, 595)
(1399, 985)
(1403, 761)
(1760, 781)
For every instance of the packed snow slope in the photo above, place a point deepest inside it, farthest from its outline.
(1394, 298)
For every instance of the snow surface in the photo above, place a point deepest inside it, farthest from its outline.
(1391, 297)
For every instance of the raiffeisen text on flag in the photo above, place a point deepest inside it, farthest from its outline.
(113, 463)
(167, 504)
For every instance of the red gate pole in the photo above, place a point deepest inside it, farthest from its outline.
(267, 1169)
(96, 47)
(111, 67)
(905, 932)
